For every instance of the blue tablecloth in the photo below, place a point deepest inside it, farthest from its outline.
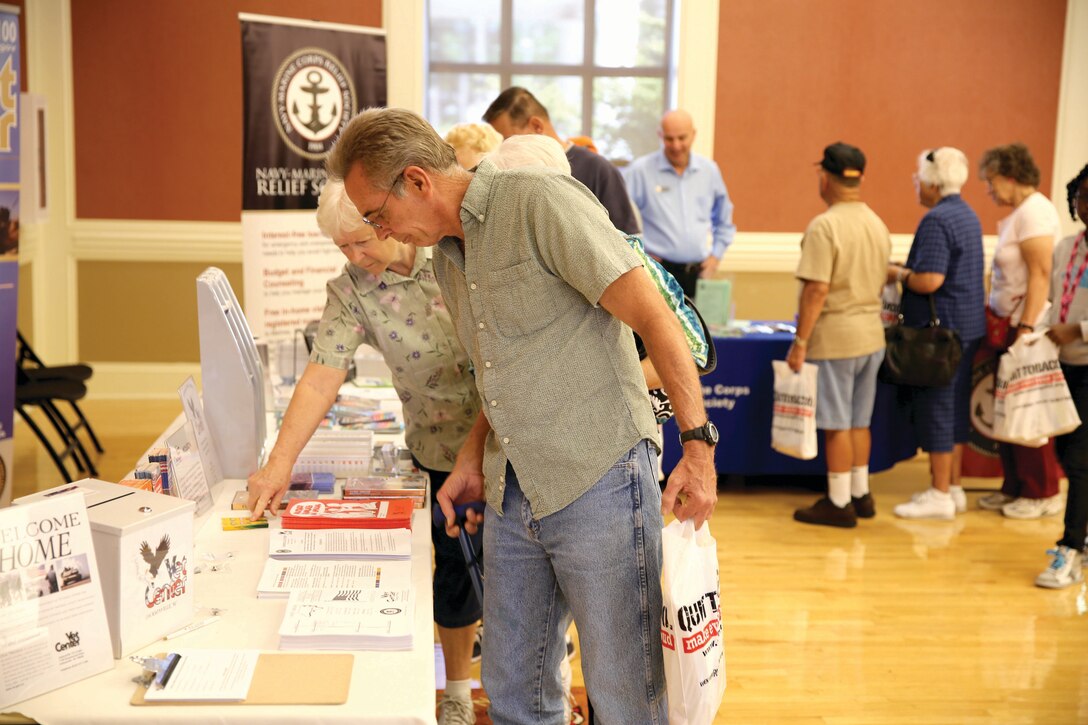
(738, 396)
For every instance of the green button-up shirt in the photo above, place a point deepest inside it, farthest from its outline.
(406, 320)
(558, 375)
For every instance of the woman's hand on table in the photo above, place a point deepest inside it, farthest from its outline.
(266, 489)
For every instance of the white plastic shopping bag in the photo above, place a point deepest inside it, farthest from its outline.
(1031, 398)
(793, 426)
(691, 624)
(891, 301)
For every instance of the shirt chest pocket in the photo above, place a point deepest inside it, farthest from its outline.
(523, 299)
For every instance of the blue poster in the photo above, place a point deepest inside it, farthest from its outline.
(9, 233)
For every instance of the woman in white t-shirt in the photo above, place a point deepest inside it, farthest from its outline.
(1019, 287)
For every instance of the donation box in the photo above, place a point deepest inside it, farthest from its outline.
(143, 542)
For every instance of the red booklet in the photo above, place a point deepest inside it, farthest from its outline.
(339, 514)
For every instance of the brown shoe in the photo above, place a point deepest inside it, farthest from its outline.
(864, 506)
(825, 513)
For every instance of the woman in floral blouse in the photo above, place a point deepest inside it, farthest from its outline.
(387, 297)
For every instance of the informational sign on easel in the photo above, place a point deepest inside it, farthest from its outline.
(53, 627)
(187, 475)
(194, 414)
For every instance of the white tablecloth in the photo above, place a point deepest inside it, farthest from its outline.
(386, 687)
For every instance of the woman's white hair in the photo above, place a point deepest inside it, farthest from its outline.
(944, 167)
(337, 216)
(530, 150)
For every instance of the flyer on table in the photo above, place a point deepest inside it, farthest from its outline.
(53, 628)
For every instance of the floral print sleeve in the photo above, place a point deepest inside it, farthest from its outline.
(405, 319)
(343, 325)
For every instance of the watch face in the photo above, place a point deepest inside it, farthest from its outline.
(711, 432)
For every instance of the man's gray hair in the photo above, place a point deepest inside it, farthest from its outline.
(944, 167)
(337, 217)
(387, 141)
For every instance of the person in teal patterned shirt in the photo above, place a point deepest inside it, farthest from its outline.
(387, 297)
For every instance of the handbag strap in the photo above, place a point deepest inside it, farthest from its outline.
(934, 321)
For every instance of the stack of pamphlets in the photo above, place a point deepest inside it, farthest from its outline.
(412, 487)
(349, 619)
(340, 514)
(340, 544)
(281, 577)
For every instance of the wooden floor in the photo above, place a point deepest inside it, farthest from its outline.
(893, 622)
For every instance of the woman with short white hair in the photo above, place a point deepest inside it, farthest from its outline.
(387, 297)
(945, 262)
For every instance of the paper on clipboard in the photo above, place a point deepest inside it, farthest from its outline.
(284, 679)
(208, 675)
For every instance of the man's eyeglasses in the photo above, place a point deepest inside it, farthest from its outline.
(373, 219)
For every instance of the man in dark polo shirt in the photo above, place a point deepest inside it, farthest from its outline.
(544, 292)
(516, 112)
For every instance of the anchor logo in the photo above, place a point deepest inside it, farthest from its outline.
(314, 88)
(313, 98)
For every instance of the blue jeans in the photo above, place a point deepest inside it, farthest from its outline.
(598, 560)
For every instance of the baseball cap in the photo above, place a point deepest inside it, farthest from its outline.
(843, 160)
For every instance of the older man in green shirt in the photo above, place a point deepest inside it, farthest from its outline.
(543, 290)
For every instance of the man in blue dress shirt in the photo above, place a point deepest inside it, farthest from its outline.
(681, 197)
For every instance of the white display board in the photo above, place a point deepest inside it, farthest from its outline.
(53, 628)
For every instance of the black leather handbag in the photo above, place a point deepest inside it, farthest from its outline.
(923, 357)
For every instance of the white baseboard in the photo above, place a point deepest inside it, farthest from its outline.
(119, 380)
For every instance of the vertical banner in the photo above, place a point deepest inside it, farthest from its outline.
(9, 235)
(302, 83)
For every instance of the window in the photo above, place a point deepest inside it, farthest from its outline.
(603, 68)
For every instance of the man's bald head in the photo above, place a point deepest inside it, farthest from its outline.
(677, 133)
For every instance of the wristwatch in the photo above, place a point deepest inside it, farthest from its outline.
(707, 432)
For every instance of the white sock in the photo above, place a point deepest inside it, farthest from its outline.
(859, 481)
(838, 488)
(459, 689)
(955, 489)
(939, 493)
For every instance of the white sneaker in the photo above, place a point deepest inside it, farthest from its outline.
(994, 501)
(1063, 571)
(929, 504)
(959, 497)
(1033, 508)
(455, 711)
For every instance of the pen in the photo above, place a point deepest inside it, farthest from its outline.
(190, 627)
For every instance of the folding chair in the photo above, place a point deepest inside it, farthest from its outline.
(43, 394)
(38, 372)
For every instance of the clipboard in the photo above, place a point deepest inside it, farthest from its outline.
(286, 679)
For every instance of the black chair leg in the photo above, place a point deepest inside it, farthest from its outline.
(86, 426)
(67, 433)
(45, 442)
